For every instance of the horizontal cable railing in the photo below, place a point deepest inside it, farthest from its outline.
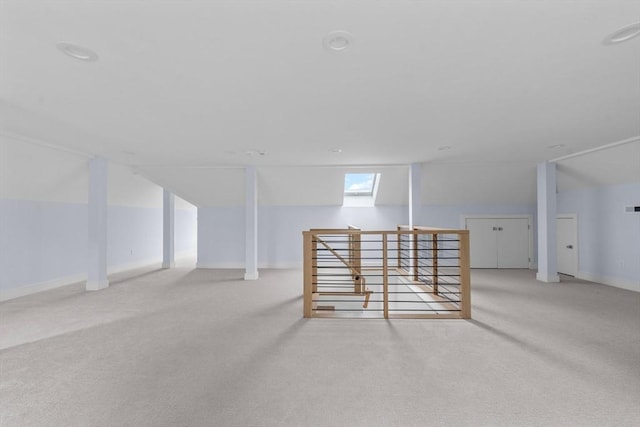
(405, 273)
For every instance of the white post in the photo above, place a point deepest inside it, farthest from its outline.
(415, 181)
(97, 219)
(547, 224)
(251, 225)
(168, 229)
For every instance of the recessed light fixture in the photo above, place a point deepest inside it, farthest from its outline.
(335, 150)
(77, 52)
(623, 34)
(554, 146)
(255, 152)
(444, 148)
(338, 41)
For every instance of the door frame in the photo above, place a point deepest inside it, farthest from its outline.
(529, 218)
(574, 217)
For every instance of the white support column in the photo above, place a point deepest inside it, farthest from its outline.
(168, 230)
(415, 181)
(251, 225)
(97, 219)
(547, 224)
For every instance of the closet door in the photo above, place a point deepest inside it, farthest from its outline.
(513, 242)
(483, 243)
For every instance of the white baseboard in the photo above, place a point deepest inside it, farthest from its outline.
(231, 265)
(553, 278)
(96, 285)
(282, 265)
(133, 265)
(630, 285)
(240, 265)
(251, 276)
(33, 288)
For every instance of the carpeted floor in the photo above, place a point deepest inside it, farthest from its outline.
(187, 347)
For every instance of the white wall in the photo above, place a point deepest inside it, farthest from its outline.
(608, 238)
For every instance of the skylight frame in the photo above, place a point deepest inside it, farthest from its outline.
(368, 192)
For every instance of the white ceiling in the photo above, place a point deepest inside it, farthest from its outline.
(200, 83)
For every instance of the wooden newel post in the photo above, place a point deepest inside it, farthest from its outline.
(308, 273)
(465, 276)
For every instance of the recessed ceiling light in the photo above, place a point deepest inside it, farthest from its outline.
(255, 152)
(554, 146)
(623, 34)
(77, 52)
(336, 150)
(444, 148)
(338, 41)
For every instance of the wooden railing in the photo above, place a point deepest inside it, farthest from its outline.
(405, 273)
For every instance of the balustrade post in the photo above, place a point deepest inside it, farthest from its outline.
(308, 274)
(465, 278)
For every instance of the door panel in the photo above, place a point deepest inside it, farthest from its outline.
(513, 242)
(567, 246)
(483, 245)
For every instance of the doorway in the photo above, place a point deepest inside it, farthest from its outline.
(496, 242)
(567, 244)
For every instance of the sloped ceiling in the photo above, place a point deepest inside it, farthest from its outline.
(615, 165)
(191, 83)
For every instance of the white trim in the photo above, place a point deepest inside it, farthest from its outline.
(96, 285)
(593, 150)
(548, 279)
(33, 288)
(616, 282)
(281, 265)
(215, 264)
(463, 225)
(133, 265)
(46, 285)
(240, 265)
(251, 276)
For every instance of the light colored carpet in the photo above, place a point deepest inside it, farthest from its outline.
(187, 347)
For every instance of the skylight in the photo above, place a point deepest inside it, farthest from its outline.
(360, 189)
(359, 184)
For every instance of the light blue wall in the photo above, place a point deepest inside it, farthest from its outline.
(221, 237)
(608, 238)
(186, 231)
(221, 231)
(280, 227)
(41, 241)
(448, 216)
(134, 235)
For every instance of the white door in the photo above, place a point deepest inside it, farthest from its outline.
(567, 241)
(483, 244)
(513, 242)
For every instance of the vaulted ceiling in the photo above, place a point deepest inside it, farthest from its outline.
(215, 83)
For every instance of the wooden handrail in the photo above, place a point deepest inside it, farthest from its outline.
(440, 277)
